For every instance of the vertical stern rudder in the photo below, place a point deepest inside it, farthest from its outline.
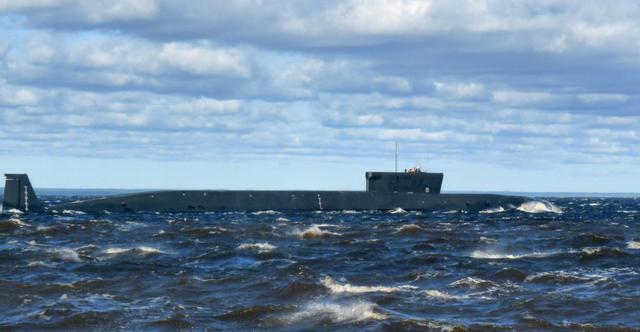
(19, 194)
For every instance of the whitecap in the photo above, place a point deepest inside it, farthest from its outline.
(397, 210)
(282, 219)
(38, 264)
(633, 245)
(487, 239)
(45, 229)
(14, 222)
(72, 212)
(473, 283)
(441, 295)
(328, 225)
(258, 213)
(13, 211)
(409, 229)
(558, 277)
(66, 254)
(336, 287)
(539, 207)
(480, 254)
(314, 231)
(140, 250)
(493, 210)
(337, 312)
(259, 247)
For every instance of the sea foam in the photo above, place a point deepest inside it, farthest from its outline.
(66, 254)
(480, 254)
(539, 207)
(140, 251)
(633, 245)
(259, 247)
(441, 295)
(409, 229)
(397, 211)
(314, 231)
(337, 312)
(336, 287)
(493, 210)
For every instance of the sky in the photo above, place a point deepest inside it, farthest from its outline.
(499, 95)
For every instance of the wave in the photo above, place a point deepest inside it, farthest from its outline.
(251, 313)
(66, 254)
(480, 254)
(282, 219)
(539, 207)
(352, 289)
(397, 210)
(473, 283)
(138, 251)
(259, 213)
(410, 229)
(73, 212)
(601, 252)
(337, 312)
(13, 211)
(12, 224)
(493, 210)
(38, 264)
(442, 295)
(314, 231)
(633, 245)
(259, 247)
(557, 277)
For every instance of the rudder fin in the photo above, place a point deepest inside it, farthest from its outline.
(19, 194)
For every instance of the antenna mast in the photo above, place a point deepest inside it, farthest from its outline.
(396, 156)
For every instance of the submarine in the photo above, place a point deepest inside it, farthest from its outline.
(409, 190)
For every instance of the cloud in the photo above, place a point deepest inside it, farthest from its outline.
(18, 5)
(520, 98)
(459, 90)
(603, 98)
(508, 82)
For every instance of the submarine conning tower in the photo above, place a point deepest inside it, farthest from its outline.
(407, 182)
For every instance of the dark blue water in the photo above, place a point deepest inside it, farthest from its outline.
(447, 270)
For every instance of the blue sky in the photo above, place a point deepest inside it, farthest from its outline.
(499, 95)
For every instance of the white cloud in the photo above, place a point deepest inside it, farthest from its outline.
(520, 97)
(11, 5)
(101, 11)
(598, 35)
(203, 60)
(206, 106)
(18, 96)
(322, 78)
(459, 90)
(603, 97)
(380, 16)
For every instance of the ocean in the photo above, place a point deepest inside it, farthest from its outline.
(552, 264)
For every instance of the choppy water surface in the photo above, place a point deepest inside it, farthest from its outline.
(448, 270)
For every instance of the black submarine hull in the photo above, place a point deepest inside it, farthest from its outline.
(385, 191)
(228, 200)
